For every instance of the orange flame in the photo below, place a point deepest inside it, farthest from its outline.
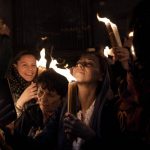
(41, 64)
(112, 31)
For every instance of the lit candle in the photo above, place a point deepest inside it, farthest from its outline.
(117, 36)
(112, 31)
(130, 44)
(111, 34)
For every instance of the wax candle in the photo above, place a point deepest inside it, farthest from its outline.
(112, 31)
(72, 93)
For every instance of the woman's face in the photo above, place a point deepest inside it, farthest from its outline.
(48, 100)
(26, 67)
(87, 70)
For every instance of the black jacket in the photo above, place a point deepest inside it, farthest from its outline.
(7, 109)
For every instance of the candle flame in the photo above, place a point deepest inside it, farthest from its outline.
(114, 29)
(65, 72)
(131, 34)
(108, 52)
(42, 61)
(105, 20)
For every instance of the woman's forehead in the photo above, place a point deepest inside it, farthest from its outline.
(29, 56)
(89, 57)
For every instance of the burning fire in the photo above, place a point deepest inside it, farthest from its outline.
(130, 35)
(42, 61)
(108, 51)
(112, 31)
(41, 64)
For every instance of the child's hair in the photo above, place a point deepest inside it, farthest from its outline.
(53, 81)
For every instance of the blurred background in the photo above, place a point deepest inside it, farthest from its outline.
(69, 25)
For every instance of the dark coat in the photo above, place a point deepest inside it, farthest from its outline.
(7, 112)
(6, 54)
(7, 109)
(105, 125)
(32, 118)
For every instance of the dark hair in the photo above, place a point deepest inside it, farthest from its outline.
(141, 27)
(53, 81)
(140, 24)
(104, 67)
(6, 55)
(101, 59)
(24, 52)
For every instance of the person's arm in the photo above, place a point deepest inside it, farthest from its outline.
(29, 93)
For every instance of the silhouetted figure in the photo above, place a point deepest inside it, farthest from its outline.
(7, 111)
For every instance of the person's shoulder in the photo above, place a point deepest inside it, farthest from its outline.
(33, 112)
(112, 102)
(4, 38)
(32, 109)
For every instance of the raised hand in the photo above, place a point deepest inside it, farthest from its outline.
(29, 93)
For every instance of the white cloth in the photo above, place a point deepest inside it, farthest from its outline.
(77, 143)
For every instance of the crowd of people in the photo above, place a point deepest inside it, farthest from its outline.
(111, 108)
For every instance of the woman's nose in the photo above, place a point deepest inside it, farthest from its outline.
(31, 68)
(80, 65)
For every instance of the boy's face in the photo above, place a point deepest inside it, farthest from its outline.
(48, 100)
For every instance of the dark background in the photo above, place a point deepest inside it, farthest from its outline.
(71, 25)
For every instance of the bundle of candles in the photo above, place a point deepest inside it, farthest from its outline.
(112, 31)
